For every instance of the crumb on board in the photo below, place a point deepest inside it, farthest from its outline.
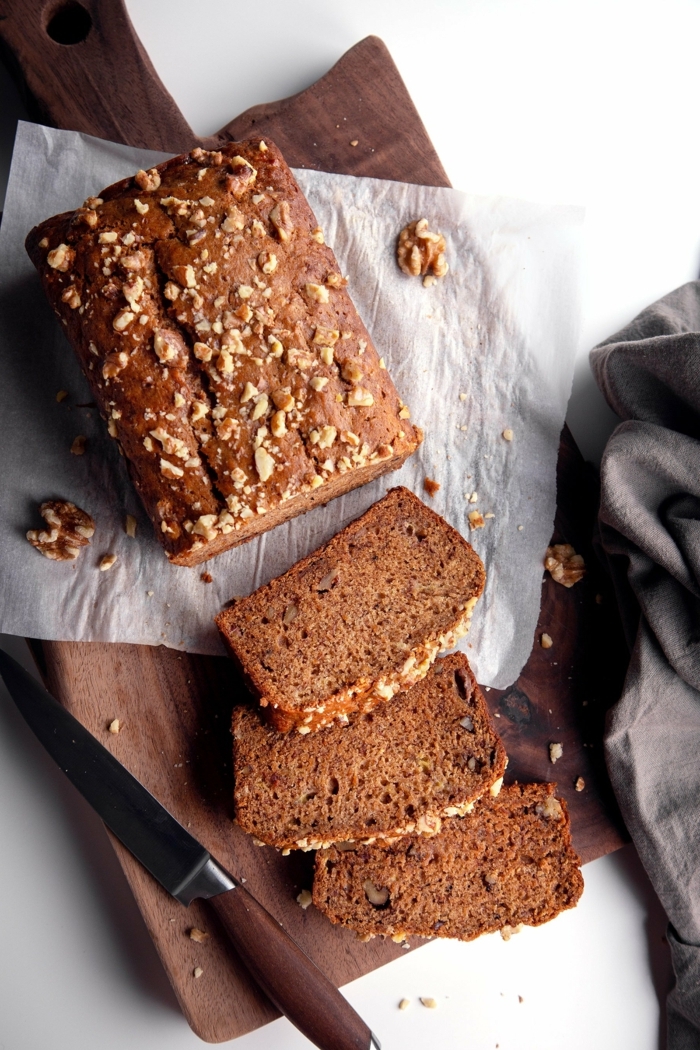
(304, 899)
(130, 526)
(428, 1001)
(197, 935)
(556, 750)
(206, 577)
(476, 520)
(354, 142)
(78, 446)
(404, 1004)
(197, 972)
(430, 486)
(107, 561)
(546, 640)
(61, 395)
(579, 783)
(114, 726)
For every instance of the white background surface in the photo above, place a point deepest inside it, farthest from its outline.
(592, 104)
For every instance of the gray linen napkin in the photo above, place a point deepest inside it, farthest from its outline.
(650, 531)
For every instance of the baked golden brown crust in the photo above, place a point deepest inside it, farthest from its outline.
(358, 620)
(401, 769)
(508, 863)
(221, 346)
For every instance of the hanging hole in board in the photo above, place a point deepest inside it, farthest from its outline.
(69, 23)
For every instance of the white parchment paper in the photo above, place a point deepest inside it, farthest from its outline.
(501, 329)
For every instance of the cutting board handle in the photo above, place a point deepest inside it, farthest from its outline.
(81, 66)
(85, 69)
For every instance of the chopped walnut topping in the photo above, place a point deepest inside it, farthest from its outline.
(234, 220)
(249, 391)
(278, 424)
(430, 486)
(170, 470)
(327, 355)
(360, 398)
(197, 935)
(165, 345)
(304, 899)
(204, 526)
(318, 292)
(326, 336)
(72, 297)
(141, 208)
(202, 352)
(107, 561)
(147, 180)
(61, 258)
(335, 280)
(564, 564)
(378, 896)
(264, 463)
(123, 320)
(69, 529)
(281, 219)
(318, 383)
(283, 400)
(421, 252)
(267, 261)
(78, 446)
(546, 641)
(114, 364)
(351, 372)
(555, 752)
(108, 237)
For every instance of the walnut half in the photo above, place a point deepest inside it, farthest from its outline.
(420, 251)
(69, 529)
(564, 564)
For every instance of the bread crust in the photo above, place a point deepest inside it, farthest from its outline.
(221, 346)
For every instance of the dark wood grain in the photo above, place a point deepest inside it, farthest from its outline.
(175, 707)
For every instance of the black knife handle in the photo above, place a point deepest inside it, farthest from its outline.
(286, 974)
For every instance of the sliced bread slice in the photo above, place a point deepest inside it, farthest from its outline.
(510, 862)
(424, 755)
(358, 620)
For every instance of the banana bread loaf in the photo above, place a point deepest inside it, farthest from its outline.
(358, 620)
(221, 345)
(426, 754)
(510, 862)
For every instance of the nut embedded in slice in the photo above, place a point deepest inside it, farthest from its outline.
(69, 529)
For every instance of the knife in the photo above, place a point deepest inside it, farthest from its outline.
(187, 870)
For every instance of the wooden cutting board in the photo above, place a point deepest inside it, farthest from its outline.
(174, 707)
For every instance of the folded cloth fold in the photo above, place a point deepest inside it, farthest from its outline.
(650, 531)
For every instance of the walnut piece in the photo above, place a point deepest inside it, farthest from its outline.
(378, 896)
(430, 486)
(564, 564)
(555, 752)
(420, 252)
(304, 899)
(69, 529)
(546, 641)
(197, 935)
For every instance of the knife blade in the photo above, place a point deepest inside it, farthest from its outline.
(187, 870)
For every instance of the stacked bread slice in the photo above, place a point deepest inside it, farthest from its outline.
(367, 749)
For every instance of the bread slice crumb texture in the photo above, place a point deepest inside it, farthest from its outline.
(400, 769)
(510, 862)
(359, 619)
